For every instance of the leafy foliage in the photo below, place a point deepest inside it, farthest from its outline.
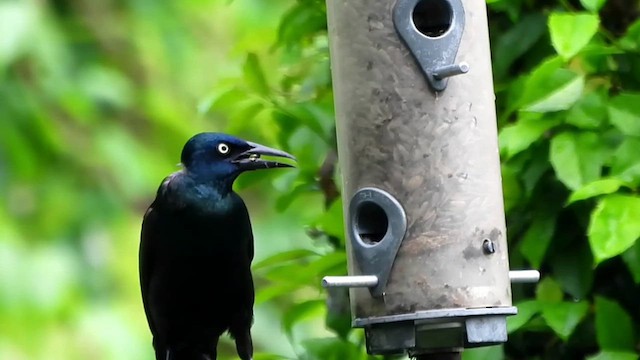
(567, 125)
(567, 86)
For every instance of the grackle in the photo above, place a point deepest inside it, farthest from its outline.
(196, 250)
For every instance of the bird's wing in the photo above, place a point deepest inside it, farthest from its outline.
(240, 326)
(244, 225)
(249, 239)
(152, 231)
(146, 260)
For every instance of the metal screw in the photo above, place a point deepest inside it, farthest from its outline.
(350, 281)
(450, 70)
(524, 276)
(488, 247)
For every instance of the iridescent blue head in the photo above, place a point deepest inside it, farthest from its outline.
(216, 157)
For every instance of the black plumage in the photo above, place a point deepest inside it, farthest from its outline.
(196, 250)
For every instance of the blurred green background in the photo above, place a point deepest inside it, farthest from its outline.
(96, 100)
(98, 97)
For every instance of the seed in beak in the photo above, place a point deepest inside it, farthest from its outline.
(254, 157)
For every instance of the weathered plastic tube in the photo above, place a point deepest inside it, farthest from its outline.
(436, 153)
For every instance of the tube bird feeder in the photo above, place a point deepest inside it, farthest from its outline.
(417, 142)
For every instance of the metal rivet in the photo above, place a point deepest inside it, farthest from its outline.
(450, 70)
(488, 247)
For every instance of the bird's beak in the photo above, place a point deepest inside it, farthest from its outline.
(250, 159)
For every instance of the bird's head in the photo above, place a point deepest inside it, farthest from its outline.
(221, 157)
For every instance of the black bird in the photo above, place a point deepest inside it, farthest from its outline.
(196, 250)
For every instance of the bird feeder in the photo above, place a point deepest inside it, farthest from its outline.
(418, 148)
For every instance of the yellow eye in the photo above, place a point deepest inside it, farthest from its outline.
(223, 148)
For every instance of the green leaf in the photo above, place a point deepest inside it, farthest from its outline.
(106, 86)
(563, 317)
(551, 88)
(511, 187)
(549, 291)
(595, 188)
(537, 238)
(303, 274)
(614, 226)
(526, 310)
(244, 114)
(299, 312)
(577, 158)
(595, 59)
(484, 353)
(301, 21)
(332, 349)
(287, 198)
(334, 263)
(291, 273)
(563, 97)
(516, 41)
(632, 258)
(338, 311)
(593, 5)
(254, 76)
(284, 257)
(590, 112)
(223, 101)
(519, 136)
(631, 40)
(18, 22)
(332, 221)
(624, 113)
(626, 162)
(270, 292)
(537, 166)
(294, 115)
(572, 32)
(614, 327)
(573, 269)
(614, 355)
(265, 356)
